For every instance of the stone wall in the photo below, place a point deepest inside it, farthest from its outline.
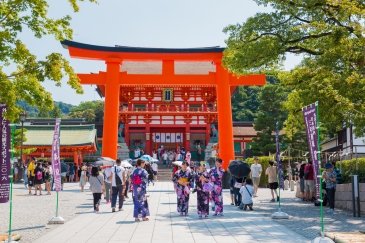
(344, 197)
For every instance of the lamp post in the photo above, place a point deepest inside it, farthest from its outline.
(22, 118)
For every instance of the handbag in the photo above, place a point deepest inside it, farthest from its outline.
(208, 187)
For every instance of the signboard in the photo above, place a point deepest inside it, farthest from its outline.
(4, 156)
(56, 163)
(310, 120)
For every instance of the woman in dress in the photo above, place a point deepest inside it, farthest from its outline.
(216, 175)
(83, 178)
(203, 188)
(96, 181)
(184, 181)
(139, 180)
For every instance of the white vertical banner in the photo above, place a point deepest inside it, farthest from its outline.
(173, 137)
(168, 137)
(178, 137)
(163, 137)
(56, 165)
(158, 137)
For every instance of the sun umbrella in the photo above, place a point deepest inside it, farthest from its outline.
(104, 163)
(148, 158)
(106, 158)
(177, 162)
(239, 169)
(125, 163)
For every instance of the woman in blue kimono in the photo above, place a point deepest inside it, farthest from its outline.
(139, 180)
(203, 187)
(216, 175)
(184, 181)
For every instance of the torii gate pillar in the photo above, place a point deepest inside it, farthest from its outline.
(225, 124)
(111, 109)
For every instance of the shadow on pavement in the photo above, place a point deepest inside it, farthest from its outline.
(126, 222)
(29, 228)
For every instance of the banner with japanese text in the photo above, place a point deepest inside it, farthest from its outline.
(4, 156)
(56, 162)
(310, 120)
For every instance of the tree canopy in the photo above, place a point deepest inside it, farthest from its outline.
(21, 72)
(330, 36)
(92, 111)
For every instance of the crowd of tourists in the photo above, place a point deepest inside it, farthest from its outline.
(114, 183)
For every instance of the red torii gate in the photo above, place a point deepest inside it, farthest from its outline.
(113, 79)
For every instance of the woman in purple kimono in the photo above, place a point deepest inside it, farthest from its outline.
(139, 179)
(216, 175)
(203, 188)
(184, 181)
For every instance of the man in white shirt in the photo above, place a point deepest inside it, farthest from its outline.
(256, 171)
(118, 184)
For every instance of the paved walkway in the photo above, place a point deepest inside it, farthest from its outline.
(166, 226)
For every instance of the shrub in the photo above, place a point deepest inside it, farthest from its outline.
(352, 167)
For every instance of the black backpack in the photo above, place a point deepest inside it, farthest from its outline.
(118, 181)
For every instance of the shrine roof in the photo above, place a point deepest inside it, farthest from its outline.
(244, 131)
(67, 43)
(75, 135)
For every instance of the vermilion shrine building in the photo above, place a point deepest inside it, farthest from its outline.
(163, 96)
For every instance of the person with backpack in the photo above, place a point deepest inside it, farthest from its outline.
(247, 191)
(118, 184)
(139, 179)
(30, 174)
(38, 178)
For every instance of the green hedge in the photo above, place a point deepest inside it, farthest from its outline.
(352, 167)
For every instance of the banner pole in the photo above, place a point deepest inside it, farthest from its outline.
(57, 205)
(319, 171)
(56, 169)
(279, 214)
(322, 238)
(11, 186)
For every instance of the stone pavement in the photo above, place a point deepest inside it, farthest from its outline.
(166, 226)
(32, 213)
(305, 217)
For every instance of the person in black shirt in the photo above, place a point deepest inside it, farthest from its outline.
(301, 178)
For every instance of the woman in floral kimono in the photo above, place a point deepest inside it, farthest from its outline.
(203, 188)
(139, 179)
(184, 180)
(216, 175)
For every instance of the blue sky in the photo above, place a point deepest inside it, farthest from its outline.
(143, 23)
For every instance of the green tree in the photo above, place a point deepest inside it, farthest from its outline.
(270, 111)
(92, 111)
(330, 36)
(21, 72)
(245, 103)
